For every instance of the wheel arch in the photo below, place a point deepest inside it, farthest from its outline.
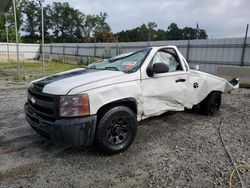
(205, 104)
(131, 103)
(211, 92)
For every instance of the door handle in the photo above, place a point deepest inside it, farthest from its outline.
(180, 80)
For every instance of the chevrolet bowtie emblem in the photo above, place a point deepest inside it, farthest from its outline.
(33, 100)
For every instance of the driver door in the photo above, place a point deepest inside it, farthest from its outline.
(165, 91)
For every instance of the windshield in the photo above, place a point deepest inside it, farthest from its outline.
(126, 63)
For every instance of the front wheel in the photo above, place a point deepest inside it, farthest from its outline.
(116, 130)
(211, 104)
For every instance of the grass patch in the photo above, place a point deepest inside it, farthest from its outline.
(32, 70)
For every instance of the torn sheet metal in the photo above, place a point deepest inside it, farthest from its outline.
(156, 106)
(164, 94)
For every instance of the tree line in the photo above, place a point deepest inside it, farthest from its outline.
(63, 23)
(148, 32)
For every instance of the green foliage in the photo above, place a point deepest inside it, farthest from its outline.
(66, 23)
(96, 29)
(32, 22)
(101, 27)
(2, 28)
(149, 33)
(11, 24)
(174, 32)
(89, 25)
(62, 23)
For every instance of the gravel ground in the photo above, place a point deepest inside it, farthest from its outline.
(173, 150)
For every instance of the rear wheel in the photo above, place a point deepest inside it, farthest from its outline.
(211, 104)
(116, 130)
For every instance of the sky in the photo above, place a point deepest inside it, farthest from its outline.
(220, 18)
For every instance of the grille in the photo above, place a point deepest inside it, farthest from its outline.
(43, 104)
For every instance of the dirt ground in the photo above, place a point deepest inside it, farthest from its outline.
(173, 150)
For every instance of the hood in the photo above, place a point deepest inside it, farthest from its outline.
(61, 84)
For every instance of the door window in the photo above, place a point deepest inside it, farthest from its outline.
(169, 58)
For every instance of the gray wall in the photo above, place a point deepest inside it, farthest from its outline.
(208, 54)
(27, 51)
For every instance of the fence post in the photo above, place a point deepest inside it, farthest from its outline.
(244, 47)
(63, 47)
(77, 48)
(116, 52)
(17, 39)
(40, 51)
(51, 49)
(94, 50)
(149, 39)
(188, 46)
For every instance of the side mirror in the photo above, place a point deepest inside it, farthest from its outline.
(158, 68)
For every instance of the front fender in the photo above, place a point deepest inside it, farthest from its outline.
(105, 95)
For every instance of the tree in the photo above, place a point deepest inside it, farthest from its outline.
(161, 35)
(11, 24)
(174, 32)
(47, 14)
(203, 34)
(31, 23)
(78, 31)
(101, 27)
(96, 29)
(189, 33)
(66, 22)
(89, 23)
(152, 33)
(149, 32)
(2, 28)
(152, 26)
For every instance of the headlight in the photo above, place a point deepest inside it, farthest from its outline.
(76, 105)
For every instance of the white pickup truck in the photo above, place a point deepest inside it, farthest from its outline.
(103, 102)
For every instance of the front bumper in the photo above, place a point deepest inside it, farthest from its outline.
(66, 131)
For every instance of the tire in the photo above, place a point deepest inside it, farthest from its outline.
(116, 130)
(211, 104)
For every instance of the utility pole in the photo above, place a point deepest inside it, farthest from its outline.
(42, 20)
(188, 46)
(244, 46)
(17, 45)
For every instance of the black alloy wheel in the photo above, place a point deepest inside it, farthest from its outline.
(116, 130)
